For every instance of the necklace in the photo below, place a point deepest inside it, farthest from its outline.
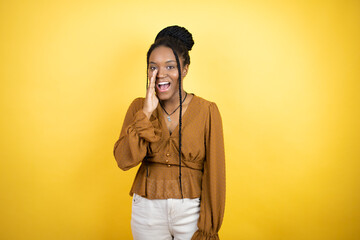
(168, 115)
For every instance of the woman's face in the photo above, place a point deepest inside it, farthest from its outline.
(166, 85)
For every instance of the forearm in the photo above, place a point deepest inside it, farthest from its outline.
(130, 149)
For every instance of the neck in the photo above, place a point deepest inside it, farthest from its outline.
(175, 101)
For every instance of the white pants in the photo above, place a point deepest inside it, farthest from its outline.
(164, 219)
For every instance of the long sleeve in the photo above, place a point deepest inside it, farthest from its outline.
(136, 133)
(212, 203)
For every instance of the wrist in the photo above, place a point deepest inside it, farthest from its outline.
(147, 113)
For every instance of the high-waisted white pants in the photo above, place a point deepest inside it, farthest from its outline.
(164, 219)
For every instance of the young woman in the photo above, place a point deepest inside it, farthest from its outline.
(179, 189)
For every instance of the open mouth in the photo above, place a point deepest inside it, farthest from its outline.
(163, 86)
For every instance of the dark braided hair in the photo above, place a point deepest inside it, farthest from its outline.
(180, 41)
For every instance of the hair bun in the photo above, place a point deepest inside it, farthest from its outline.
(178, 32)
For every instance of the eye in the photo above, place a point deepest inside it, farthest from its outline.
(152, 68)
(170, 67)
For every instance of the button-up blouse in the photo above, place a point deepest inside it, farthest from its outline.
(149, 142)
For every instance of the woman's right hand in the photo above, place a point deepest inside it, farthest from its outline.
(151, 100)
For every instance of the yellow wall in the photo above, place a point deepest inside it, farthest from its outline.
(285, 75)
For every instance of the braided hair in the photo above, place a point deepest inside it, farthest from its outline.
(180, 41)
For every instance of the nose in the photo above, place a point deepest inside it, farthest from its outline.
(161, 73)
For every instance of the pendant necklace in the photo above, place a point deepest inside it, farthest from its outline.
(168, 115)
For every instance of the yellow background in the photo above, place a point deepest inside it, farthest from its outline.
(285, 75)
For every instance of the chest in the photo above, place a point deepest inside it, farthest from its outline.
(172, 121)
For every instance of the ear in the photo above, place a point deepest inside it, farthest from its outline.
(185, 70)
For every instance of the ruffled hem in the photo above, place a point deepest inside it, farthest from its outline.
(200, 235)
(155, 187)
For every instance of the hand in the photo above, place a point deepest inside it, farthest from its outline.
(151, 100)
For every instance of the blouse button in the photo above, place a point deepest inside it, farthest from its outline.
(167, 160)
(169, 165)
(168, 154)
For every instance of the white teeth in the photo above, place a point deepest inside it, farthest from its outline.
(163, 83)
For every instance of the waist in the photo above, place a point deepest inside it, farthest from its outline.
(168, 163)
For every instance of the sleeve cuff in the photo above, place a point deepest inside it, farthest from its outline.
(146, 129)
(200, 235)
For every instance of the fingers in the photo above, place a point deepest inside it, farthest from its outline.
(151, 89)
(153, 79)
(151, 100)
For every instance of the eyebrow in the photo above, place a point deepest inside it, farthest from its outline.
(165, 62)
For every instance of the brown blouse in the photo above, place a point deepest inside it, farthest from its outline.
(202, 159)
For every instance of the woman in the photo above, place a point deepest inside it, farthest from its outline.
(179, 189)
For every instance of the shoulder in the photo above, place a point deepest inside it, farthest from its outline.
(205, 104)
(210, 111)
(137, 103)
